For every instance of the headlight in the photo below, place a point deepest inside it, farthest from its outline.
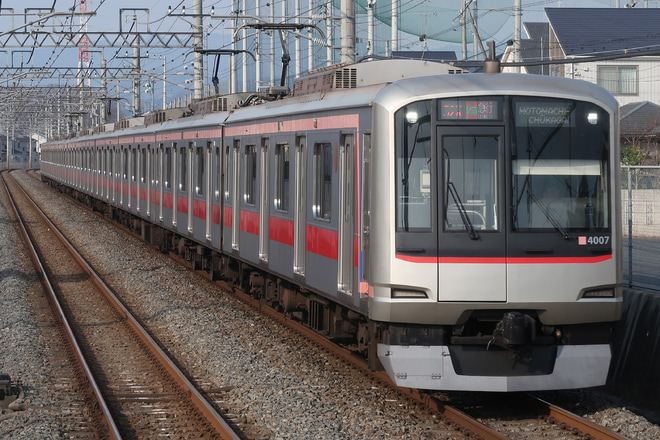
(599, 293)
(408, 293)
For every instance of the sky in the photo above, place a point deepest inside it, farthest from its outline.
(436, 18)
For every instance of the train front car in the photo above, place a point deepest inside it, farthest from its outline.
(494, 232)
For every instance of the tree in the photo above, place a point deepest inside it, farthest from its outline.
(633, 155)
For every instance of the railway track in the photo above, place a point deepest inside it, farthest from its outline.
(524, 421)
(133, 390)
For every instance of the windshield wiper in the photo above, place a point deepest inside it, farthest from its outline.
(474, 235)
(549, 215)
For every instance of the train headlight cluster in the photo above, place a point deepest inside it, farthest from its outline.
(592, 118)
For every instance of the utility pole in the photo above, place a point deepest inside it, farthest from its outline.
(517, 19)
(463, 24)
(370, 26)
(198, 32)
(395, 25)
(347, 31)
(136, 77)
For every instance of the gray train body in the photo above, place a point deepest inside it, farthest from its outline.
(462, 229)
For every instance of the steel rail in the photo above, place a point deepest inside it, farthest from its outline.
(211, 415)
(111, 428)
(574, 423)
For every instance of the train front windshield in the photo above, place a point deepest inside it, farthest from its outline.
(559, 164)
(483, 168)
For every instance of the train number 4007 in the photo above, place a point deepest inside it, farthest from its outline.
(596, 240)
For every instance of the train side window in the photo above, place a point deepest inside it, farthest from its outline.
(134, 164)
(143, 163)
(225, 173)
(125, 163)
(281, 201)
(168, 168)
(201, 171)
(250, 175)
(183, 168)
(322, 203)
(218, 171)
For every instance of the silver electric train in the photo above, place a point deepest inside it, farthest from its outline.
(461, 229)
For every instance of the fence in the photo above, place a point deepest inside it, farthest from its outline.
(640, 199)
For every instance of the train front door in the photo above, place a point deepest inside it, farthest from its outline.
(471, 234)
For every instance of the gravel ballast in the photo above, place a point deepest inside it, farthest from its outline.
(275, 381)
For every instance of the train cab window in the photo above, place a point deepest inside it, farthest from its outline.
(250, 174)
(559, 165)
(413, 167)
(322, 203)
(183, 169)
(470, 182)
(201, 171)
(281, 201)
(168, 168)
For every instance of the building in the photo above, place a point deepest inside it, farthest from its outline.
(618, 48)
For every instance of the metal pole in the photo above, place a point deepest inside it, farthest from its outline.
(630, 228)
(164, 82)
(257, 61)
(463, 23)
(136, 78)
(347, 31)
(271, 13)
(329, 28)
(310, 43)
(395, 25)
(296, 41)
(244, 69)
(475, 32)
(198, 70)
(232, 58)
(517, 18)
(104, 90)
(370, 26)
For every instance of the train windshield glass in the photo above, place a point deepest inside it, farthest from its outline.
(559, 152)
(413, 165)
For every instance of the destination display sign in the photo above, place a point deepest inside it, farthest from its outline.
(465, 109)
(543, 114)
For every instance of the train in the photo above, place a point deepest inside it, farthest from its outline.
(462, 230)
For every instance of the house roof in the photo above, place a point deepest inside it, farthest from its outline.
(590, 31)
(536, 30)
(640, 118)
(536, 47)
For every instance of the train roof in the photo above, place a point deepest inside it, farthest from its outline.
(484, 84)
(342, 86)
(386, 83)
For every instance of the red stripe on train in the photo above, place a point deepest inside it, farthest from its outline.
(504, 260)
